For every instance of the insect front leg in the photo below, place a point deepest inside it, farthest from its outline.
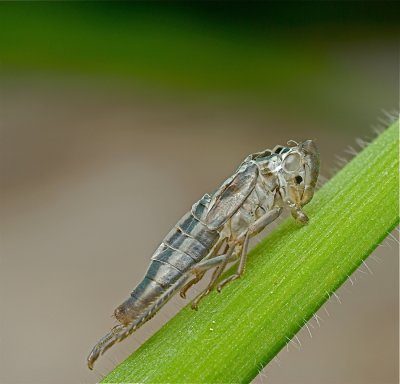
(253, 229)
(299, 215)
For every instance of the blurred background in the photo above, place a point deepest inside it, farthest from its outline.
(116, 117)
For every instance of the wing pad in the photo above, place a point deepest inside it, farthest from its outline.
(231, 195)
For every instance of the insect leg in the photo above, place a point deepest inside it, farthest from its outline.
(190, 283)
(223, 261)
(241, 266)
(200, 271)
(255, 228)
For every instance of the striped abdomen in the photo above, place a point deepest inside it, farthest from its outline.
(184, 246)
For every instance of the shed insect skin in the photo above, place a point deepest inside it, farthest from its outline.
(216, 231)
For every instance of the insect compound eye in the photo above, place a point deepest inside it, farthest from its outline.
(298, 179)
(292, 162)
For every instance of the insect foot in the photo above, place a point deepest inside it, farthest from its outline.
(195, 302)
(300, 216)
(229, 279)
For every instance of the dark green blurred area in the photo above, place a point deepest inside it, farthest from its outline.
(282, 53)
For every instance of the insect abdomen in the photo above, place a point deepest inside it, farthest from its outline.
(187, 244)
(184, 246)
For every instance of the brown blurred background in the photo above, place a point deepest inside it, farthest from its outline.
(115, 118)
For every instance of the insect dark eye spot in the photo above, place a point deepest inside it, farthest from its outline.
(298, 179)
(278, 150)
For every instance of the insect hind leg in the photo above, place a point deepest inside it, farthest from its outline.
(220, 262)
(190, 283)
(200, 269)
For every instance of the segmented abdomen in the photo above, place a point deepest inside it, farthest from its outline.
(184, 246)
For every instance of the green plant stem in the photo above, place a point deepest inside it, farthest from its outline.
(289, 276)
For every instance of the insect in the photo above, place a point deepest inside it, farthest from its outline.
(216, 232)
